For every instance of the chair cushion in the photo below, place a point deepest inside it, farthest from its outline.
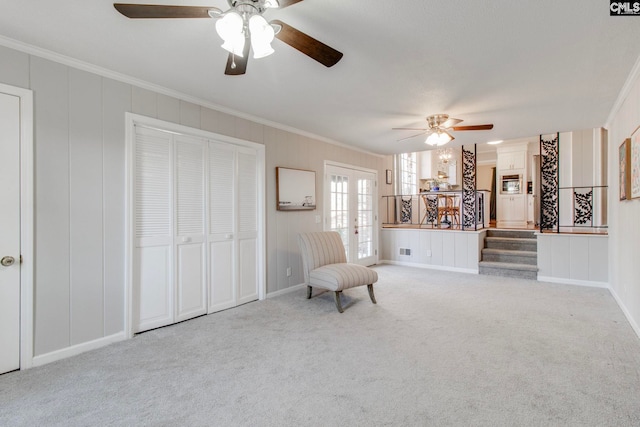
(336, 277)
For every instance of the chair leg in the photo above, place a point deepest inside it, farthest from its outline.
(309, 289)
(371, 295)
(338, 303)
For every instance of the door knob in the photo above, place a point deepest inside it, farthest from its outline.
(7, 261)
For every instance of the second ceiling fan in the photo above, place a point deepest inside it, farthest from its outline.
(242, 28)
(438, 128)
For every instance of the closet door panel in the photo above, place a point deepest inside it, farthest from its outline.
(221, 290)
(153, 288)
(189, 192)
(248, 271)
(191, 300)
(153, 272)
(247, 226)
(222, 225)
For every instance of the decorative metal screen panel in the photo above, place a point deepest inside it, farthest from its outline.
(469, 188)
(430, 215)
(405, 209)
(582, 207)
(549, 180)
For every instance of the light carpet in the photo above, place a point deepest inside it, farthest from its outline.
(439, 348)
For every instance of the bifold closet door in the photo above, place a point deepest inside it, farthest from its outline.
(247, 226)
(233, 226)
(169, 262)
(189, 240)
(222, 225)
(153, 284)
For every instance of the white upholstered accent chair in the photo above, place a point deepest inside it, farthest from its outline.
(325, 266)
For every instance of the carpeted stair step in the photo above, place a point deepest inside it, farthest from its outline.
(503, 269)
(520, 234)
(511, 243)
(504, 255)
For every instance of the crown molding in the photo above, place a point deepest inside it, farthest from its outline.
(624, 92)
(105, 72)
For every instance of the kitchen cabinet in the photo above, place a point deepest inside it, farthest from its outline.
(511, 161)
(511, 212)
(530, 208)
(428, 165)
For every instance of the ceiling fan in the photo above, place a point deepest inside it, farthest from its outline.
(242, 28)
(439, 126)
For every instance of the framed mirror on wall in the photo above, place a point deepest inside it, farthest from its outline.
(295, 189)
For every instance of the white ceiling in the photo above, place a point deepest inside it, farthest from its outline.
(527, 67)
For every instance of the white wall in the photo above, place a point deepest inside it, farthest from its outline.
(79, 191)
(624, 223)
(484, 176)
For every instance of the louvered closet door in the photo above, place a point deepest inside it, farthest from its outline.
(233, 226)
(247, 226)
(222, 224)
(153, 290)
(189, 154)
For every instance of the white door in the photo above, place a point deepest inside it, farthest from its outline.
(153, 272)
(351, 210)
(222, 224)
(233, 226)
(190, 245)
(9, 233)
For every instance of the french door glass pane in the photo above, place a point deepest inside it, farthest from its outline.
(340, 207)
(365, 218)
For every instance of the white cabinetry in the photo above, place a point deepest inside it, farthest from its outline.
(195, 227)
(510, 161)
(428, 165)
(512, 209)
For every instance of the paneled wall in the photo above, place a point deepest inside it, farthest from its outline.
(573, 258)
(624, 226)
(440, 249)
(80, 187)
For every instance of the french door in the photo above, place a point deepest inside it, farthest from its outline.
(351, 210)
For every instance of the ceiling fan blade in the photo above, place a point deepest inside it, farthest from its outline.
(306, 44)
(142, 11)
(237, 65)
(473, 127)
(409, 129)
(451, 122)
(413, 136)
(287, 3)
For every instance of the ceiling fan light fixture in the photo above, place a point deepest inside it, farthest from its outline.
(439, 138)
(262, 35)
(235, 45)
(272, 4)
(230, 26)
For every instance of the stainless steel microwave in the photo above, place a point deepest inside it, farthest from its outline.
(511, 184)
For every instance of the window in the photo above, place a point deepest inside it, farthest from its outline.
(406, 173)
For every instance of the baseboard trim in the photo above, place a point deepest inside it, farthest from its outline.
(74, 350)
(286, 290)
(430, 266)
(627, 314)
(588, 283)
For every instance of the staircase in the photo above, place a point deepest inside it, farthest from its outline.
(510, 253)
